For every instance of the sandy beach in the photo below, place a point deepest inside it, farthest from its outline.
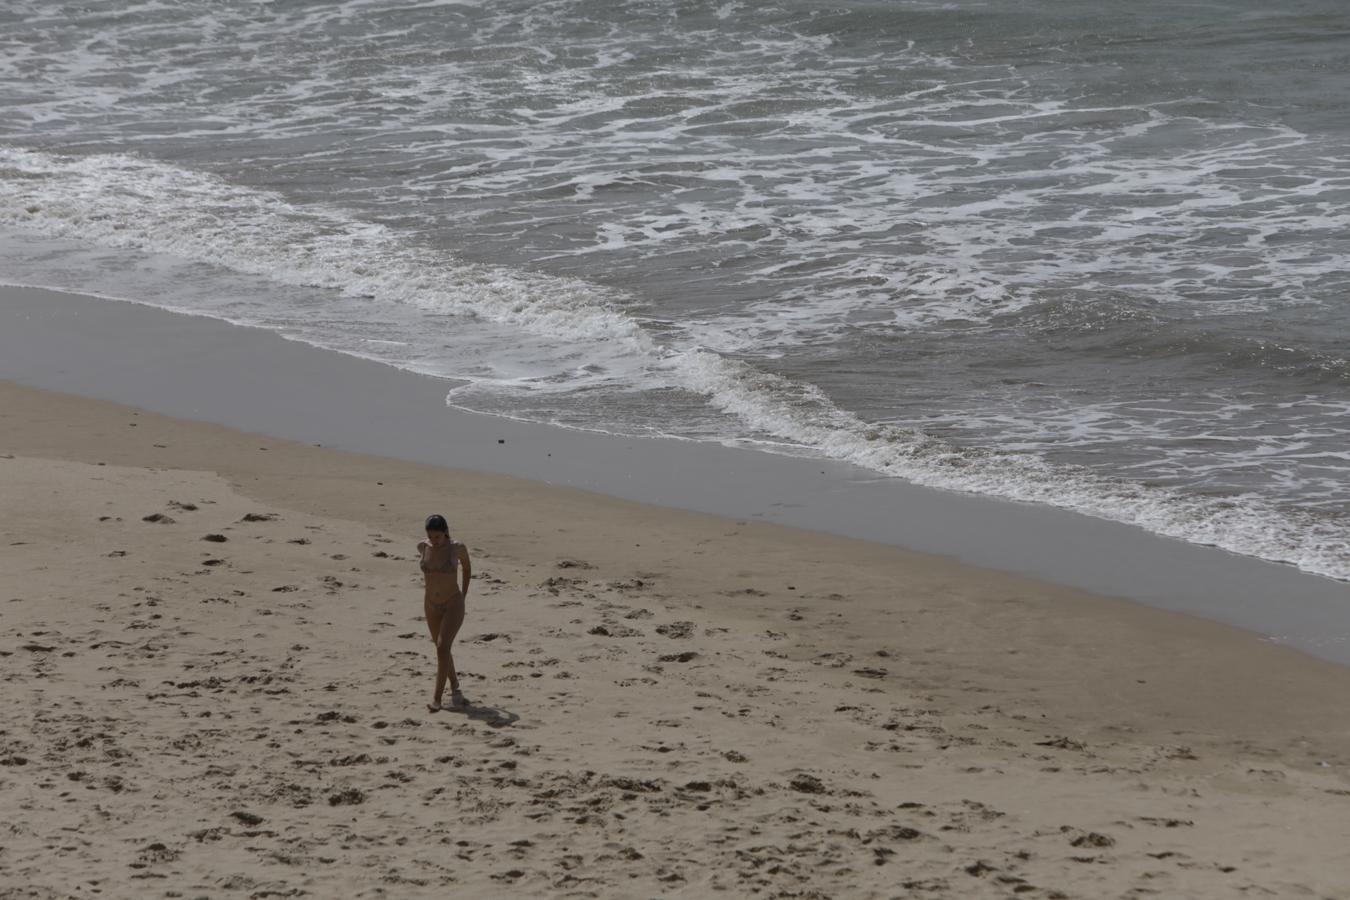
(217, 672)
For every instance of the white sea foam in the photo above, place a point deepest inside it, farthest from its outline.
(123, 201)
(833, 168)
(799, 413)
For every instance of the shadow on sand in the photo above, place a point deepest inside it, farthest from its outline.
(497, 718)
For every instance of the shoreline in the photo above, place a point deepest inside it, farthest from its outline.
(248, 378)
(668, 703)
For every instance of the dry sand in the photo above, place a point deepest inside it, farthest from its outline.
(666, 704)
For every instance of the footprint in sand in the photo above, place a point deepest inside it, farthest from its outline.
(619, 631)
(676, 630)
(684, 657)
(574, 564)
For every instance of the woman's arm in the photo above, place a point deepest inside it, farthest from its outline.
(465, 568)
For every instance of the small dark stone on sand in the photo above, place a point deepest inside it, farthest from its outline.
(158, 517)
(258, 517)
(247, 818)
(599, 629)
(215, 538)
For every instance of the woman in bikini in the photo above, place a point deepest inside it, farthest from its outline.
(444, 603)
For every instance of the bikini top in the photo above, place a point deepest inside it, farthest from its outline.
(440, 560)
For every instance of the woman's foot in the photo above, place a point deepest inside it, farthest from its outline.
(434, 706)
(457, 700)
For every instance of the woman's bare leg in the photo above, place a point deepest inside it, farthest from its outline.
(435, 615)
(449, 625)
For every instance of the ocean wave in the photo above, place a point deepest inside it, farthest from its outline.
(1248, 524)
(826, 164)
(124, 201)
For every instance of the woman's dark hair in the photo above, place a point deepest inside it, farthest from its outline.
(437, 523)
